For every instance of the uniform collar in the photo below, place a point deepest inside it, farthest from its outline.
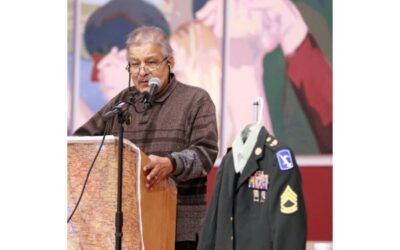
(257, 153)
(241, 149)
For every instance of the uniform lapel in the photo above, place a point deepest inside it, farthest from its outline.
(252, 164)
(230, 177)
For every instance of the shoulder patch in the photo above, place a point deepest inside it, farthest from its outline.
(284, 159)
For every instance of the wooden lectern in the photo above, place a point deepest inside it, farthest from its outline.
(149, 216)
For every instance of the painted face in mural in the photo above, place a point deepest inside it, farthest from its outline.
(111, 74)
(147, 61)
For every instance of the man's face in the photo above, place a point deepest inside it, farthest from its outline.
(145, 62)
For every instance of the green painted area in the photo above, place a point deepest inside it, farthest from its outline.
(289, 121)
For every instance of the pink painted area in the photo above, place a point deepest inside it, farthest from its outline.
(317, 188)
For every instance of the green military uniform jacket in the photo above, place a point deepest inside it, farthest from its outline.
(244, 215)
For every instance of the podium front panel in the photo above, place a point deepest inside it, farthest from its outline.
(93, 224)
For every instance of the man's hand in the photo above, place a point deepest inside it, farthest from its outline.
(158, 169)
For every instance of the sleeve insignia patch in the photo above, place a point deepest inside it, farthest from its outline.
(288, 201)
(284, 159)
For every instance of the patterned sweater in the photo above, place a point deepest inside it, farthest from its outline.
(181, 122)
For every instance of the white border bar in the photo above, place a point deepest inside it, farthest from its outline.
(314, 160)
(304, 161)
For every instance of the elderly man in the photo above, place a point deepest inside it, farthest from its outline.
(178, 132)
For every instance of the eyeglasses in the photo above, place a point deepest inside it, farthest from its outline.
(149, 66)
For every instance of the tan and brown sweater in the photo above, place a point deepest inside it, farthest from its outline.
(182, 123)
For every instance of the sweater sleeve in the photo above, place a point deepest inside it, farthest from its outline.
(197, 160)
(96, 125)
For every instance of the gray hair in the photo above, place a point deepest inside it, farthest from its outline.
(149, 35)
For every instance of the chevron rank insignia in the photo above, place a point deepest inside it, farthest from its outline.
(288, 201)
(284, 159)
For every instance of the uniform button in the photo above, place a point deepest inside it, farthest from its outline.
(231, 237)
(231, 218)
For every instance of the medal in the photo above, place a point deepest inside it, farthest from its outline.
(252, 181)
(261, 180)
(256, 195)
(259, 185)
(263, 196)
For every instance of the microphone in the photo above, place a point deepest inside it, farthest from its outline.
(119, 108)
(154, 83)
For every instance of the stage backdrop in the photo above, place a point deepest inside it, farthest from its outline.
(281, 51)
(237, 50)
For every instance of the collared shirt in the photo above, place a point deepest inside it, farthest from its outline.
(243, 145)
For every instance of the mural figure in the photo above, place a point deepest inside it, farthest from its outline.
(257, 28)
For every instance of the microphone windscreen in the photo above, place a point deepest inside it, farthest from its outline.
(155, 81)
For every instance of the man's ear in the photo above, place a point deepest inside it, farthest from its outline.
(171, 62)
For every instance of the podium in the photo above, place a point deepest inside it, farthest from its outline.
(149, 216)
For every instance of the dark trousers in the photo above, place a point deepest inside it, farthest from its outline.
(185, 245)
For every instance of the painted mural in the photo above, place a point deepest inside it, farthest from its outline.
(279, 50)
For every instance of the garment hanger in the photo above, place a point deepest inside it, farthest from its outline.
(245, 142)
(258, 106)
